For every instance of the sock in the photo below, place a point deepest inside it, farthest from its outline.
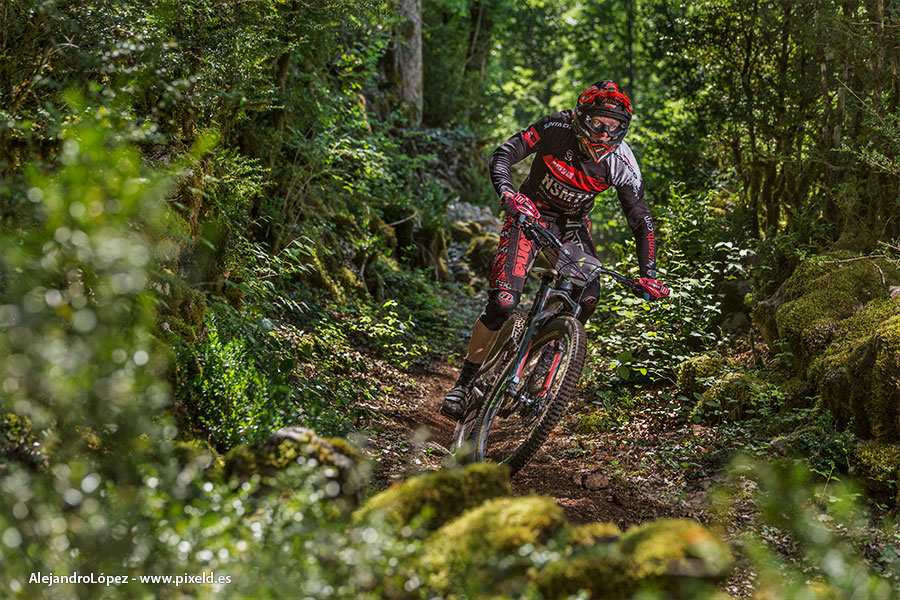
(468, 372)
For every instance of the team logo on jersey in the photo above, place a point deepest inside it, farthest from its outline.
(531, 137)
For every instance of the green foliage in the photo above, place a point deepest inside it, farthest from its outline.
(234, 400)
(825, 526)
(659, 336)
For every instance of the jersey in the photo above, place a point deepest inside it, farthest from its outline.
(563, 182)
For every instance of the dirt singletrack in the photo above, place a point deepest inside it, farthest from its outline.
(410, 436)
(611, 477)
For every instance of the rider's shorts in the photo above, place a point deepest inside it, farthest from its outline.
(515, 257)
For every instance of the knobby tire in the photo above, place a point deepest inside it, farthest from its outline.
(565, 327)
(502, 351)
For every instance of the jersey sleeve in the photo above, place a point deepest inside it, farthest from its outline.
(510, 152)
(626, 177)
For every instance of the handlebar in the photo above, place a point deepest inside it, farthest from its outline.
(540, 232)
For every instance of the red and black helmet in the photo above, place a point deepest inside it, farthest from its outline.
(601, 99)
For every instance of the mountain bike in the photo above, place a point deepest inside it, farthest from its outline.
(522, 390)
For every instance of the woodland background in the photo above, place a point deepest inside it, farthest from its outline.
(218, 215)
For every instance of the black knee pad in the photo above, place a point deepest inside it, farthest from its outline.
(589, 301)
(500, 305)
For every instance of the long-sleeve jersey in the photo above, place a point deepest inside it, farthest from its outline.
(562, 181)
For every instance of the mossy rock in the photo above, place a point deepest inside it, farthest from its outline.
(677, 557)
(734, 391)
(182, 309)
(339, 474)
(693, 374)
(675, 547)
(488, 547)
(195, 452)
(592, 534)
(379, 227)
(464, 231)
(877, 466)
(858, 374)
(437, 497)
(349, 280)
(819, 295)
(481, 253)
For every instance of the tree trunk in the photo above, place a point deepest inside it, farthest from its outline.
(408, 60)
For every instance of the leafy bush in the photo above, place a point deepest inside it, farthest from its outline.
(695, 257)
(234, 399)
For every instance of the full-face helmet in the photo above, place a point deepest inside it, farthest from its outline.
(602, 116)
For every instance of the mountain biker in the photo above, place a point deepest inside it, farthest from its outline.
(578, 154)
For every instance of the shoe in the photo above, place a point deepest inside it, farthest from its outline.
(454, 405)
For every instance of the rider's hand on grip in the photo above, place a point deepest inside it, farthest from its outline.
(649, 288)
(515, 203)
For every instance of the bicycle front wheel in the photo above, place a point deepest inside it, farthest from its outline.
(513, 423)
(502, 351)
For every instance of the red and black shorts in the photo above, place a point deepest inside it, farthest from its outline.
(515, 257)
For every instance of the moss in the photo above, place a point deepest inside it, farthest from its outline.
(194, 451)
(464, 231)
(482, 546)
(818, 296)
(877, 465)
(592, 534)
(691, 374)
(299, 445)
(379, 227)
(676, 547)
(17, 442)
(349, 280)
(481, 252)
(599, 571)
(182, 309)
(858, 374)
(437, 497)
(681, 558)
(346, 448)
(591, 423)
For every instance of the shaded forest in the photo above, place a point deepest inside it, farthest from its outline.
(243, 244)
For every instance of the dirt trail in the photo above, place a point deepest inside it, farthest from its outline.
(410, 436)
(615, 476)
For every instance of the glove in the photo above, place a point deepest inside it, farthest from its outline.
(514, 203)
(649, 288)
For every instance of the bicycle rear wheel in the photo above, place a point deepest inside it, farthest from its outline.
(503, 351)
(512, 426)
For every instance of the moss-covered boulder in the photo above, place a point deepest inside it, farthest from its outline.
(858, 374)
(592, 534)
(819, 295)
(877, 466)
(438, 497)
(481, 253)
(693, 375)
(680, 558)
(336, 472)
(488, 547)
(197, 452)
(181, 309)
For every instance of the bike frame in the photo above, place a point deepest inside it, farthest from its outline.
(554, 286)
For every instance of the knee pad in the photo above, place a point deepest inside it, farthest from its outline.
(501, 304)
(589, 301)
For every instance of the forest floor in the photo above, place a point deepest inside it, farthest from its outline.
(625, 475)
